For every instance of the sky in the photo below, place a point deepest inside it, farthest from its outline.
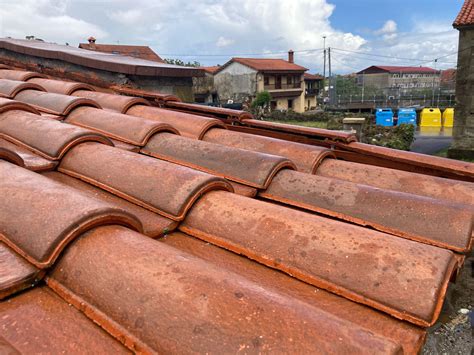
(360, 32)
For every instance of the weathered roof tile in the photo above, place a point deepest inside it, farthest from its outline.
(160, 186)
(67, 213)
(118, 103)
(9, 88)
(126, 128)
(60, 86)
(243, 166)
(29, 160)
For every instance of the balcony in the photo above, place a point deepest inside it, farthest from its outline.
(270, 87)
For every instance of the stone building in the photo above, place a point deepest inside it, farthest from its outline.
(313, 85)
(240, 79)
(463, 132)
(394, 80)
(203, 86)
(100, 69)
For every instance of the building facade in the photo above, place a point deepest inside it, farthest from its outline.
(463, 131)
(394, 80)
(313, 86)
(240, 79)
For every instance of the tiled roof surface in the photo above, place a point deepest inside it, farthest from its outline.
(172, 227)
(211, 70)
(263, 64)
(398, 69)
(142, 52)
(94, 60)
(466, 15)
(308, 76)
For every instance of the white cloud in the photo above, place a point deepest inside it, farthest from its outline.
(44, 19)
(224, 42)
(176, 28)
(126, 17)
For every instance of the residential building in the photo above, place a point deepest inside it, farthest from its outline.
(240, 79)
(463, 131)
(100, 69)
(394, 80)
(203, 86)
(142, 52)
(313, 85)
(448, 80)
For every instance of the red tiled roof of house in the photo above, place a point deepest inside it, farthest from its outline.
(211, 70)
(142, 52)
(261, 64)
(448, 75)
(398, 69)
(308, 76)
(466, 15)
(246, 241)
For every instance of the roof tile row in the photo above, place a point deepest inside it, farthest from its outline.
(141, 291)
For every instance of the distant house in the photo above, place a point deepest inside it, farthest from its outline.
(399, 79)
(240, 79)
(142, 52)
(463, 132)
(448, 80)
(203, 87)
(313, 85)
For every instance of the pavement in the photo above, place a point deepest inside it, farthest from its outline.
(431, 142)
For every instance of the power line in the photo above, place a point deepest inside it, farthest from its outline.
(241, 54)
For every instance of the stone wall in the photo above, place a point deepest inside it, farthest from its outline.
(236, 82)
(463, 132)
(179, 86)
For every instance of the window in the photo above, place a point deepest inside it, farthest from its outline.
(266, 80)
(289, 80)
(290, 104)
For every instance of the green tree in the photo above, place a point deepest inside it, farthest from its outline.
(182, 63)
(262, 100)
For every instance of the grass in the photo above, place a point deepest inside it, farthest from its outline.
(444, 154)
(314, 124)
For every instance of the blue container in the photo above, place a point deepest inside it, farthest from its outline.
(407, 116)
(384, 117)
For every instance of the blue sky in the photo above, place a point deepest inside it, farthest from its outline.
(211, 31)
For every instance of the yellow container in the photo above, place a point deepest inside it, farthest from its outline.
(430, 117)
(448, 117)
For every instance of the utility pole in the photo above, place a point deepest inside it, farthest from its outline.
(433, 84)
(330, 77)
(324, 50)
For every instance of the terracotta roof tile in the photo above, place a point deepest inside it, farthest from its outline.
(39, 321)
(366, 205)
(305, 157)
(142, 52)
(349, 260)
(118, 103)
(55, 104)
(398, 180)
(49, 138)
(60, 86)
(29, 160)
(466, 15)
(40, 238)
(126, 128)
(263, 64)
(153, 224)
(398, 69)
(9, 88)
(8, 105)
(16, 274)
(329, 305)
(211, 70)
(308, 76)
(19, 75)
(243, 166)
(109, 163)
(188, 125)
(122, 280)
(219, 310)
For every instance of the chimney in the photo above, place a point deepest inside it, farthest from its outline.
(91, 40)
(291, 56)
